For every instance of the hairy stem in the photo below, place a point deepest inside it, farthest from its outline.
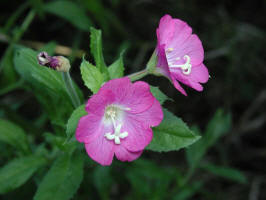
(138, 75)
(70, 89)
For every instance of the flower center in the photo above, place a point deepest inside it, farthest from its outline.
(113, 115)
(186, 67)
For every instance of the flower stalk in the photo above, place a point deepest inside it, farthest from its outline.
(70, 89)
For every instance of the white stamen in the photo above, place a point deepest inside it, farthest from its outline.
(112, 115)
(186, 67)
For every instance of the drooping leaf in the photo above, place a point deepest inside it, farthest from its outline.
(116, 70)
(70, 11)
(63, 179)
(18, 171)
(217, 127)
(73, 121)
(226, 172)
(159, 95)
(13, 135)
(91, 76)
(171, 135)
(97, 52)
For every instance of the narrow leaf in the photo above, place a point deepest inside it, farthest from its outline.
(172, 134)
(97, 52)
(18, 171)
(91, 76)
(226, 172)
(63, 179)
(13, 135)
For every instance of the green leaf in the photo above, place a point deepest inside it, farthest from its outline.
(18, 171)
(70, 11)
(12, 134)
(73, 121)
(63, 179)
(116, 70)
(91, 76)
(217, 127)
(159, 95)
(97, 52)
(171, 135)
(226, 172)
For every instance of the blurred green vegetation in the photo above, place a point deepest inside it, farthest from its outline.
(227, 163)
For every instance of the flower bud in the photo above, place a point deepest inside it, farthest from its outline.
(58, 63)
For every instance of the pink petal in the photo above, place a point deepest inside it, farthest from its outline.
(165, 30)
(199, 73)
(119, 87)
(181, 33)
(187, 81)
(97, 103)
(88, 128)
(194, 49)
(151, 117)
(139, 98)
(138, 136)
(123, 154)
(177, 85)
(101, 150)
(135, 96)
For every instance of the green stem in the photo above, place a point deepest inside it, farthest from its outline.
(138, 75)
(70, 89)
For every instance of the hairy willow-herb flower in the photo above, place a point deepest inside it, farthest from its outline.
(119, 121)
(180, 54)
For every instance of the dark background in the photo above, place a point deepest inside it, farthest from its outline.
(234, 38)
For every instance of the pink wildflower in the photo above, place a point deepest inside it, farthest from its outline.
(119, 121)
(180, 54)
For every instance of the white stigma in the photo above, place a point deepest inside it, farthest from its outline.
(186, 67)
(117, 134)
(112, 113)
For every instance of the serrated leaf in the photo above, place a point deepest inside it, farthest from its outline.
(116, 70)
(97, 52)
(18, 171)
(91, 76)
(159, 95)
(63, 179)
(13, 135)
(226, 172)
(218, 126)
(171, 135)
(73, 121)
(70, 11)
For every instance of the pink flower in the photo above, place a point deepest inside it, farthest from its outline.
(119, 121)
(180, 54)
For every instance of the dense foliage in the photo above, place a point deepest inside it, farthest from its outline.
(40, 159)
